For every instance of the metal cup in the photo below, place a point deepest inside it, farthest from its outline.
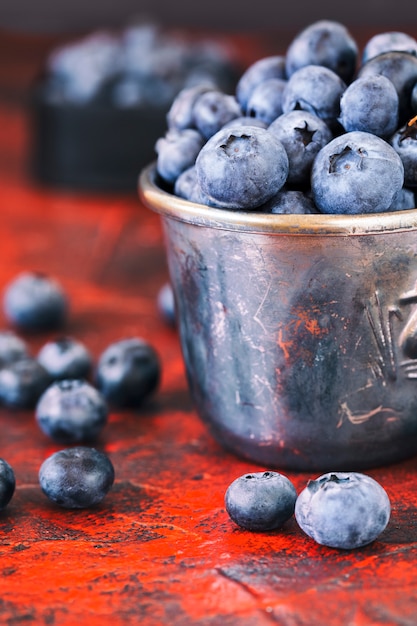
(299, 332)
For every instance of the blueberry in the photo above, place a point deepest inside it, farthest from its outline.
(259, 71)
(181, 113)
(65, 357)
(212, 110)
(176, 152)
(302, 135)
(76, 478)
(71, 411)
(403, 200)
(388, 41)
(12, 348)
(166, 304)
(370, 104)
(327, 43)
(289, 201)
(404, 142)
(315, 89)
(356, 172)
(128, 372)
(401, 69)
(265, 102)
(260, 501)
(241, 168)
(343, 510)
(187, 186)
(22, 383)
(34, 301)
(7, 483)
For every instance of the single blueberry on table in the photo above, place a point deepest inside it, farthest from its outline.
(260, 501)
(241, 168)
(34, 301)
(166, 304)
(22, 383)
(370, 104)
(76, 478)
(327, 43)
(71, 411)
(343, 510)
(128, 372)
(355, 173)
(7, 483)
(302, 135)
(12, 348)
(259, 71)
(316, 89)
(65, 357)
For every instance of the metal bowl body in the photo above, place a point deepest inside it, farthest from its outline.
(299, 333)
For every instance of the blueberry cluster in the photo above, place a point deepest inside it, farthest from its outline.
(319, 129)
(69, 394)
(141, 65)
(344, 510)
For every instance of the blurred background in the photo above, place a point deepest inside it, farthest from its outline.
(266, 15)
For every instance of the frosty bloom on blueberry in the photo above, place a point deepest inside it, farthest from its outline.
(343, 509)
(242, 168)
(356, 172)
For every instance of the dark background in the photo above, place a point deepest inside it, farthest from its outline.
(221, 15)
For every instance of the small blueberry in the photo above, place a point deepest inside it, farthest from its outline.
(71, 411)
(260, 501)
(76, 478)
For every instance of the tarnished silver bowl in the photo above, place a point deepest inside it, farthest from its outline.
(299, 332)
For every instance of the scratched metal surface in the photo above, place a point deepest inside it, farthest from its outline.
(160, 549)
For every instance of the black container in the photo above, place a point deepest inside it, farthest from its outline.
(96, 147)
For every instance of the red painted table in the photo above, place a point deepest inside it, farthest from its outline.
(160, 549)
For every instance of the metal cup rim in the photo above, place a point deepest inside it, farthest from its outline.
(173, 207)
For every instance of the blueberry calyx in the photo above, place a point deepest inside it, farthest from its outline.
(232, 144)
(305, 133)
(346, 159)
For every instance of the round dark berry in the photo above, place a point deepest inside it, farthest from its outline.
(7, 483)
(71, 411)
(76, 478)
(343, 509)
(22, 383)
(128, 372)
(12, 348)
(166, 304)
(64, 358)
(34, 301)
(260, 501)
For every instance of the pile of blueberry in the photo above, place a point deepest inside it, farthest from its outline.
(69, 395)
(344, 510)
(141, 65)
(319, 129)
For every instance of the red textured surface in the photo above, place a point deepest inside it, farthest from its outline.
(160, 549)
